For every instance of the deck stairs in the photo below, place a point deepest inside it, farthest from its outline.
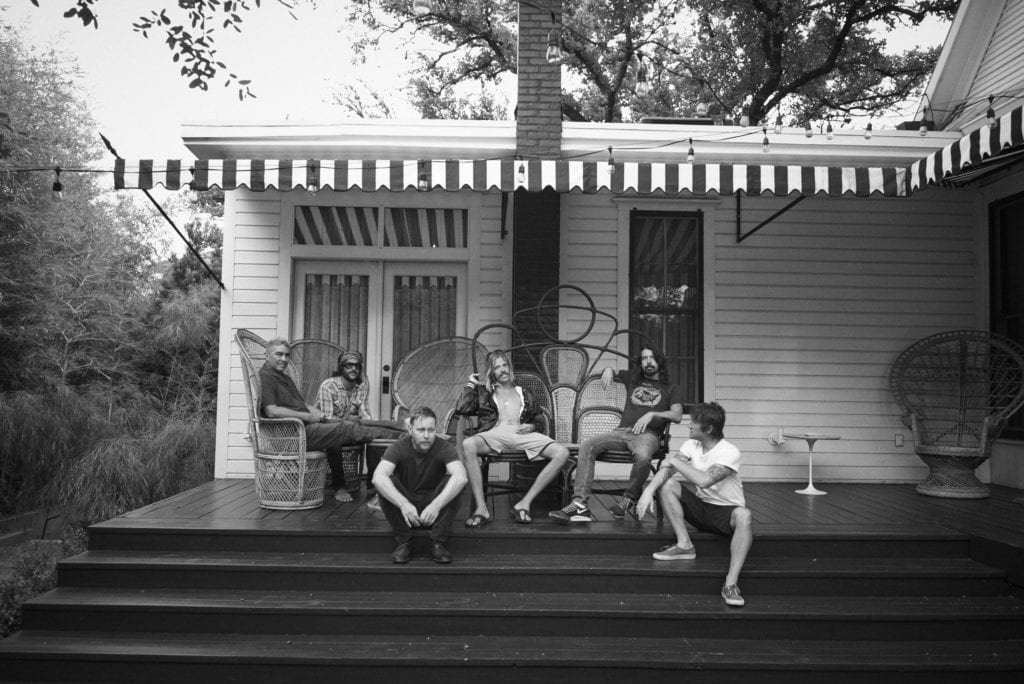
(269, 602)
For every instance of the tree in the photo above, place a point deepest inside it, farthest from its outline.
(190, 29)
(804, 59)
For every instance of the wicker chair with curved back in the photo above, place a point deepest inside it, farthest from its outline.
(956, 390)
(434, 374)
(287, 476)
(312, 362)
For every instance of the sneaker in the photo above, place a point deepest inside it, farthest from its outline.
(374, 503)
(575, 512)
(622, 506)
(674, 552)
(402, 553)
(440, 554)
(731, 594)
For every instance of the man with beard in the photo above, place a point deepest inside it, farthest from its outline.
(280, 398)
(419, 479)
(651, 402)
(343, 397)
(507, 422)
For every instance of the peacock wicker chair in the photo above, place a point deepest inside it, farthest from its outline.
(434, 373)
(312, 362)
(956, 390)
(287, 477)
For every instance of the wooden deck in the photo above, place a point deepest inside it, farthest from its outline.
(847, 509)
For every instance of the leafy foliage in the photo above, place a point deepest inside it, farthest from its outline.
(799, 58)
(33, 571)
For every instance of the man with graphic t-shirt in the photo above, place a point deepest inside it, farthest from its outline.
(652, 401)
(700, 484)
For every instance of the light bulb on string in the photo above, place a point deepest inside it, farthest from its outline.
(422, 183)
(867, 131)
(923, 129)
(990, 113)
(643, 85)
(778, 125)
(422, 7)
(312, 183)
(745, 117)
(58, 187)
(611, 162)
(764, 141)
(689, 153)
(808, 131)
(554, 52)
(828, 130)
(521, 174)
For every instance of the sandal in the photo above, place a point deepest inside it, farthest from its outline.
(520, 516)
(477, 520)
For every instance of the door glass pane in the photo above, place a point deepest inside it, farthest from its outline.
(424, 310)
(336, 309)
(665, 302)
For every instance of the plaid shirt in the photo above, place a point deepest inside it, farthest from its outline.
(337, 402)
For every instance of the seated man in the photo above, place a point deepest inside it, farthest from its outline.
(701, 484)
(280, 398)
(507, 421)
(651, 401)
(343, 396)
(419, 479)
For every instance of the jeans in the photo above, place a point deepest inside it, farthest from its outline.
(439, 530)
(330, 437)
(642, 446)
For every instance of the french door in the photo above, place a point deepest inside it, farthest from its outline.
(383, 309)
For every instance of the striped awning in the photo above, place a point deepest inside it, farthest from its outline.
(511, 174)
(987, 146)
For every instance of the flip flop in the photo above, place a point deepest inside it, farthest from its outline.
(477, 520)
(520, 516)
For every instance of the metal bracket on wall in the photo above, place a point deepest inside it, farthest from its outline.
(741, 236)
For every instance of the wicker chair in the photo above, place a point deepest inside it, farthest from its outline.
(287, 476)
(312, 362)
(956, 390)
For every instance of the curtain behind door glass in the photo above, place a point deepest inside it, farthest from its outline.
(336, 309)
(424, 310)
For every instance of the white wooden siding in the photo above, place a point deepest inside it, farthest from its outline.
(252, 249)
(809, 314)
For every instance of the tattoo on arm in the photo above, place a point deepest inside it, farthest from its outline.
(716, 473)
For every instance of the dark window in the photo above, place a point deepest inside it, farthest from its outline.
(1006, 245)
(665, 284)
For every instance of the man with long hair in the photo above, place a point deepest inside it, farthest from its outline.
(651, 402)
(508, 420)
(700, 484)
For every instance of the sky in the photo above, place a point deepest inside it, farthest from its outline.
(139, 99)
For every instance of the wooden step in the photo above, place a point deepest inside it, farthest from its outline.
(155, 657)
(531, 573)
(623, 537)
(867, 618)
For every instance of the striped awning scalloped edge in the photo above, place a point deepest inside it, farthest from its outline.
(643, 178)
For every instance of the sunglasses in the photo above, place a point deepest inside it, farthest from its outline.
(351, 365)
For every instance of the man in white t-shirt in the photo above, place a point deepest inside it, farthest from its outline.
(701, 484)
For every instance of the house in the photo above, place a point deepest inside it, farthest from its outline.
(782, 279)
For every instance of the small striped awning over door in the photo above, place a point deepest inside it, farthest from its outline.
(986, 146)
(512, 174)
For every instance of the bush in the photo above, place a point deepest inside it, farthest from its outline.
(33, 572)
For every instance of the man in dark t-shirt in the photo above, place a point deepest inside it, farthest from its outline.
(419, 479)
(651, 402)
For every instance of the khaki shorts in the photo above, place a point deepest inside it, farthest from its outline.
(506, 438)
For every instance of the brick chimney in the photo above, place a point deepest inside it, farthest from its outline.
(539, 96)
(537, 215)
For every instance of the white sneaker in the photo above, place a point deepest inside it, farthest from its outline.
(673, 552)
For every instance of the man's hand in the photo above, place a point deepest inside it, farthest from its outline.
(474, 379)
(642, 422)
(646, 502)
(412, 517)
(525, 428)
(316, 415)
(428, 516)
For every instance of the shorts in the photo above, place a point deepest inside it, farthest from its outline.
(505, 438)
(705, 516)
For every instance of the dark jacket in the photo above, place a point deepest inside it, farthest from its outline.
(478, 401)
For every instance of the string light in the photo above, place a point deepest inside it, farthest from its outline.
(990, 113)
(611, 162)
(745, 117)
(422, 7)
(778, 125)
(643, 86)
(422, 184)
(58, 187)
(764, 142)
(867, 131)
(808, 131)
(828, 131)
(923, 130)
(521, 174)
(689, 153)
(555, 53)
(312, 183)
